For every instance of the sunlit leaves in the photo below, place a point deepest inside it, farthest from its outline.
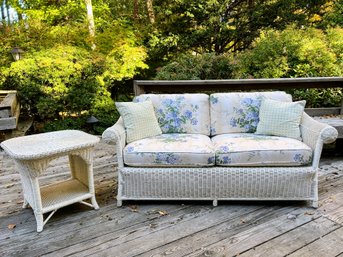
(292, 53)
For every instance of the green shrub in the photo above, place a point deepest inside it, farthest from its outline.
(54, 81)
(334, 37)
(316, 97)
(67, 123)
(196, 67)
(105, 111)
(293, 53)
(297, 53)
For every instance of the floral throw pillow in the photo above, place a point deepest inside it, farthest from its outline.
(280, 118)
(238, 112)
(181, 113)
(139, 120)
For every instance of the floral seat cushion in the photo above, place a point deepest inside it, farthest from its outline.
(243, 149)
(183, 150)
(181, 113)
(239, 112)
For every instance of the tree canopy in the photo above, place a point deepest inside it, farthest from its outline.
(90, 50)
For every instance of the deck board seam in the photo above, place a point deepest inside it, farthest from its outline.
(314, 240)
(272, 238)
(231, 218)
(111, 232)
(178, 239)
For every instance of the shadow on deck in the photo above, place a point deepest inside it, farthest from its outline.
(171, 228)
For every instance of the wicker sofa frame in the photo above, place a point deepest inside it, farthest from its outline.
(223, 183)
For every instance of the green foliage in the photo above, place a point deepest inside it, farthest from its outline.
(53, 81)
(334, 37)
(104, 110)
(205, 66)
(292, 53)
(123, 58)
(52, 12)
(63, 124)
(221, 26)
(318, 97)
(332, 14)
(297, 53)
(62, 78)
(34, 35)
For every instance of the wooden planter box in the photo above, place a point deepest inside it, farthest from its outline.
(9, 110)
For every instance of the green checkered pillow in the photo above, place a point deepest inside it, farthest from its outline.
(280, 118)
(139, 120)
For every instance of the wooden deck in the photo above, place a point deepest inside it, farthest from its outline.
(171, 228)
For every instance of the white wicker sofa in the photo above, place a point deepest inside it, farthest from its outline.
(209, 151)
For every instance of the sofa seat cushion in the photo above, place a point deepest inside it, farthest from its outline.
(245, 149)
(182, 150)
(239, 112)
(181, 113)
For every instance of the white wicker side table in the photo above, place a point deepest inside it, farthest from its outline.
(33, 154)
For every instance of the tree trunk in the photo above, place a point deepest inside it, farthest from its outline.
(151, 12)
(135, 10)
(3, 13)
(90, 19)
(8, 12)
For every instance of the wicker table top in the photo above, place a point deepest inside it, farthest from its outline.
(47, 144)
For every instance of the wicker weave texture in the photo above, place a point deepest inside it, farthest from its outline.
(60, 194)
(217, 183)
(33, 154)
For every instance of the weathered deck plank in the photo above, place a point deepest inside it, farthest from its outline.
(294, 239)
(197, 244)
(328, 245)
(170, 228)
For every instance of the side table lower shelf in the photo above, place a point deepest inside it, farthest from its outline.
(60, 194)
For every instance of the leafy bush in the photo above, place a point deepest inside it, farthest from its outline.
(297, 53)
(293, 53)
(334, 37)
(318, 97)
(206, 66)
(53, 81)
(67, 123)
(58, 84)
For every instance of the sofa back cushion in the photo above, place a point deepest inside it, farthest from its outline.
(238, 112)
(180, 113)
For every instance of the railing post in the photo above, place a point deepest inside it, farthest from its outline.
(138, 89)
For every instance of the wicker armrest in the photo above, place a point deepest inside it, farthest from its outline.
(313, 130)
(315, 134)
(115, 134)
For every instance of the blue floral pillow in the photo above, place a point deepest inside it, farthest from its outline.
(239, 112)
(181, 113)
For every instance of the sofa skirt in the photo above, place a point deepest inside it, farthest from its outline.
(217, 183)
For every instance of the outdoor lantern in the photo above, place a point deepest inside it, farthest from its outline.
(91, 121)
(17, 53)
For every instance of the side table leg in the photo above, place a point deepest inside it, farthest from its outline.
(94, 203)
(40, 222)
(25, 204)
(82, 169)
